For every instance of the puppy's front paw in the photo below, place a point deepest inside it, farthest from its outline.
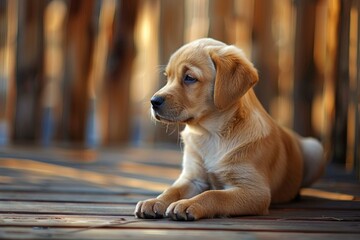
(152, 208)
(185, 210)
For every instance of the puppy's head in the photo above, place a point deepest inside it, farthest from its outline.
(202, 77)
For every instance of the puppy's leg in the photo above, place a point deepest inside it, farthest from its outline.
(231, 202)
(156, 207)
(247, 192)
(192, 181)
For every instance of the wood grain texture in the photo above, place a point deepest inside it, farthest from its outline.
(37, 201)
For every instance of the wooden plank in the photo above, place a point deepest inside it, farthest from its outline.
(128, 234)
(167, 157)
(71, 197)
(55, 188)
(309, 214)
(66, 208)
(27, 176)
(147, 170)
(101, 179)
(225, 224)
(352, 188)
(129, 197)
(318, 204)
(11, 176)
(160, 157)
(101, 160)
(48, 192)
(49, 185)
(126, 209)
(317, 193)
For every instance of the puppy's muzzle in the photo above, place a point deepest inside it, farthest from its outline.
(166, 111)
(157, 102)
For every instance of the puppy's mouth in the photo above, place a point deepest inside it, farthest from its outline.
(170, 119)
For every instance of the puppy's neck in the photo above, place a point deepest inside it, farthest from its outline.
(245, 115)
(214, 122)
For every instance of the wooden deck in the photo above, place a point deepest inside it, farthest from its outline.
(62, 194)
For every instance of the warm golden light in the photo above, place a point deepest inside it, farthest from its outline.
(105, 180)
(311, 192)
(151, 171)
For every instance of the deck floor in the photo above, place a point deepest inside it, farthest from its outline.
(63, 194)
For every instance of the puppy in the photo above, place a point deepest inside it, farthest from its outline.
(237, 160)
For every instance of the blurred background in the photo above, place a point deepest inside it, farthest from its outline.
(80, 73)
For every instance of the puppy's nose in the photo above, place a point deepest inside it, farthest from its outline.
(157, 101)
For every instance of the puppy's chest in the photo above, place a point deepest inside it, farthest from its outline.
(212, 151)
(214, 155)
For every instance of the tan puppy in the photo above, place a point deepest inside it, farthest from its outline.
(236, 158)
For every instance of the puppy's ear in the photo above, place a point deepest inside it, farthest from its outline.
(235, 75)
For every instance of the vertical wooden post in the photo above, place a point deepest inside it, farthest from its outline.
(4, 128)
(242, 24)
(231, 21)
(118, 73)
(172, 37)
(171, 29)
(55, 16)
(220, 13)
(29, 70)
(339, 133)
(8, 33)
(352, 68)
(304, 67)
(196, 19)
(96, 76)
(145, 75)
(265, 52)
(357, 98)
(79, 50)
(281, 106)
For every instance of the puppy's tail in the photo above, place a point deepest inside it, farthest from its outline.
(314, 160)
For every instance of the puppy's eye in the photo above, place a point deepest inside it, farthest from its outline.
(188, 79)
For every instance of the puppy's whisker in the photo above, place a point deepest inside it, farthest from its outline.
(168, 130)
(179, 136)
(173, 131)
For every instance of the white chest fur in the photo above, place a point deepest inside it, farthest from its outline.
(210, 147)
(212, 152)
